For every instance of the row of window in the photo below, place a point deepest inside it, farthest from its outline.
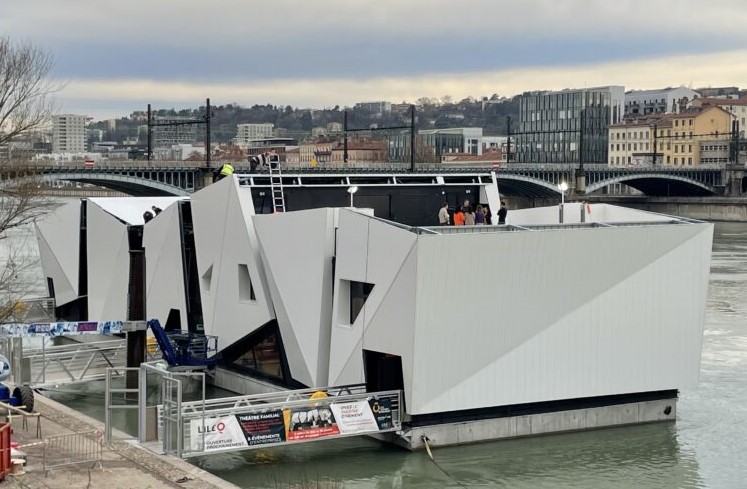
(635, 135)
(677, 122)
(631, 147)
(714, 160)
(715, 147)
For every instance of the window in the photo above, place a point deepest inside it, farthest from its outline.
(689, 148)
(690, 161)
(359, 292)
(246, 288)
(675, 161)
(676, 147)
(691, 122)
(207, 279)
(635, 146)
(676, 122)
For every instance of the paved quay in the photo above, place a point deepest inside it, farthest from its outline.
(124, 465)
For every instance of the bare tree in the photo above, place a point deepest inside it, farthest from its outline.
(25, 89)
(25, 105)
(22, 200)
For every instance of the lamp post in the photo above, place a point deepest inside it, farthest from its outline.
(351, 191)
(562, 186)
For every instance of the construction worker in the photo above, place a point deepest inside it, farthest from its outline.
(225, 171)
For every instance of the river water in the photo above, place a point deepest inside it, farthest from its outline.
(706, 447)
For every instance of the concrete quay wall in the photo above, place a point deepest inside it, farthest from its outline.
(702, 208)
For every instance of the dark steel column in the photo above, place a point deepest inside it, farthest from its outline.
(412, 138)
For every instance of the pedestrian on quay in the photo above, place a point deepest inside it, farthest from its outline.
(458, 218)
(469, 217)
(502, 213)
(443, 215)
(479, 216)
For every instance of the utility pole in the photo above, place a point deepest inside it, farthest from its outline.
(581, 139)
(150, 135)
(656, 142)
(345, 136)
(208, 146)
(508, 142)
(412, 138)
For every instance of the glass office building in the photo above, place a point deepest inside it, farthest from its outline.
(569, 126)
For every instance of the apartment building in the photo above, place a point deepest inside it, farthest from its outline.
(662, 101)
(680, 136)
(68, 133)
(737, 108)
(246, 133)
(568, 126)
(630, 143)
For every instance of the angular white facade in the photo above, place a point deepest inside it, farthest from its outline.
(611, 302)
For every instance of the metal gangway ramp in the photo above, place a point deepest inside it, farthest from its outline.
(280, 418)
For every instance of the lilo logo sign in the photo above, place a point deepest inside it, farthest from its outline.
(219, 427)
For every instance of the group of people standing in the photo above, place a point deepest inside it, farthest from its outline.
(467, 216)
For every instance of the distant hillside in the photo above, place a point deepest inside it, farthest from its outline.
(489, 113)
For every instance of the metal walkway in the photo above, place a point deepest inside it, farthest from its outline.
(206, 426)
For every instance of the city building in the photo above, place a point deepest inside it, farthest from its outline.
(374, 109)
(68, 133)
(246, 133)
(362, 151)
(737, 108)
(631, 142)
(719, 92)
(432, 144)
(166, 136)
(334, 127)
(569, 126)
(662, 101)
(679, 135)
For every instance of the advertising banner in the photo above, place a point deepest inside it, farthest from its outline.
(382, 412)
(62, 329)
(219, 434)
(354, 417)
(305, 424)
(263, 427)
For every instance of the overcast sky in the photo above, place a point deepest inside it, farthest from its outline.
(116, 56)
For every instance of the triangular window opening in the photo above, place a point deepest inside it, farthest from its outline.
(207, 279)
(246, 288)
(359, 292)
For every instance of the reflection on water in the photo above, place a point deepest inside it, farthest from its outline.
(705, 448)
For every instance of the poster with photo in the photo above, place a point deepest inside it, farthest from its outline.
(307, 423)
(263, 427)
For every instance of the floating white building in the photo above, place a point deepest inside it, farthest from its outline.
(490, 331)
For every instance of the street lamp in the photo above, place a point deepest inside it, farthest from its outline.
(562, 186)
(351, 191)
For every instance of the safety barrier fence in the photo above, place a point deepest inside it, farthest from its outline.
(5, 462)
(73, 449)
(70, 363)
(282, 418)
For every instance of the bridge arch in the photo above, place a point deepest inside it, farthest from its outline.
(131, 185)
(655, 184)
(526, 186)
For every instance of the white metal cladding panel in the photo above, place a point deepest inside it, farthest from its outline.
(385, 323)
(297, 249)
(222, 242)
(390, 326)
(612, 214)
(572, 215)
(131, 209)
(345, 359)
(108, 265)
(58, 235)
(558, 315)
(164, 272)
